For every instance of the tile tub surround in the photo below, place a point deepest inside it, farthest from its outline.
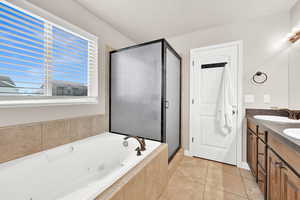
(175, 162)
(22, 140)
(146, 181)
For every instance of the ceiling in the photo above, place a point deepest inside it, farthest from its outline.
(142, 20)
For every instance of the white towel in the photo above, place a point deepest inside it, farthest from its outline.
(225, 105)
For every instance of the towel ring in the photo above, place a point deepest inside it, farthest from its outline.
(259, 74)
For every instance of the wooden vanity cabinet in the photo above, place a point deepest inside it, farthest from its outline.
(261, 179)
(283, 183)
(274, 173)
(252, 126)
(252, 152)
(290, 185)
(262, 154)
(275, 165)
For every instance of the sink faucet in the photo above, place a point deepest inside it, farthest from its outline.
(292, 114)
(142, 143)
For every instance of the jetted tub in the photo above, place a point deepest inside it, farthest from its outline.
(77, 171)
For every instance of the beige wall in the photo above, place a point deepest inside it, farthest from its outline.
(294, 62)
(263, 50)
(80, 17)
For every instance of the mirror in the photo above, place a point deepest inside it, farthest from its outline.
(294, 61)
(294, 77)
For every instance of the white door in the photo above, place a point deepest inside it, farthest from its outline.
(207, 140)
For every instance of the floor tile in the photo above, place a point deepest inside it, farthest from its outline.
(212, 194)
(252, 190)
(193, 162)
(194, 173)
(183, 188)
(246, 174)
(225, 182)
(200, 179)
(223, 168)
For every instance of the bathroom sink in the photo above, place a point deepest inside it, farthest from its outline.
(292, 132)
(274, 118)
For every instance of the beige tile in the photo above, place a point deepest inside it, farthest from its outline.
(135, 188)
(175, 162)
(252, 190)
(247, 174)
(56, 133)
(163, 171)
(193, 162)
(152, 177)
(81, 127)
(98, 124)
(195, 173)
(223, 168)
(163, 197)
(225, 182)
(118, 196)
(181, 188)
(212, 194)
(19, 141)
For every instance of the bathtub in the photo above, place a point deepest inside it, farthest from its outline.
(77, 171)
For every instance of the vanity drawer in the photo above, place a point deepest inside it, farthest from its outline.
(262, 133)
(262, 180)
(252, 126)
(261, 154)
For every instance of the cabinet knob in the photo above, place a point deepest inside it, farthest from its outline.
(283, 167)
(278, 164)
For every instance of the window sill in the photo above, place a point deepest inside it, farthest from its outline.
(47, 102)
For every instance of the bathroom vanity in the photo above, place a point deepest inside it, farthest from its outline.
(274, 158)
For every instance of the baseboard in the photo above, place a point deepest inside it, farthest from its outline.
(188, 153)
(243, 165)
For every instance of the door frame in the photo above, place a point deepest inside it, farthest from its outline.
(240, 111)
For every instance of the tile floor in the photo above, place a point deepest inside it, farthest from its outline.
(199, 179)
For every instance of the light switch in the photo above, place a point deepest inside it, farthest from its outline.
(249, 98)
(267, 98)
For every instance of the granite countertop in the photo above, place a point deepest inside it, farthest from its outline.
(277, 128)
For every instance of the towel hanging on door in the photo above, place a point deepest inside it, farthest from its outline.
(224, 114)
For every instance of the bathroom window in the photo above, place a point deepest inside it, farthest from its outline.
(43, 62)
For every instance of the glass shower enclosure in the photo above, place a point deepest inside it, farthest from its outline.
(145, 93)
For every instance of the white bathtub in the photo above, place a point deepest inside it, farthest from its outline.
(76, 171)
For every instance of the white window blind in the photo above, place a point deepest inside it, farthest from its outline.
(41, 59)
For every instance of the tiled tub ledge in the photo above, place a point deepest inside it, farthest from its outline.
(146, 181)
(175, 162)
(21, 140)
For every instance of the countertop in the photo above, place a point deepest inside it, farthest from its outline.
(276, 128)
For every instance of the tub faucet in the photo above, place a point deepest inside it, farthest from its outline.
(142, 143)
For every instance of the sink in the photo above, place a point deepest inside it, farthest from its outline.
(274, 118)
(292, 132)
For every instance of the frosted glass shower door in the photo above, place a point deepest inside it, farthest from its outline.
(136, 94)
(173, 101)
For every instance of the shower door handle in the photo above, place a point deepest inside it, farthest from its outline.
(167, 104)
